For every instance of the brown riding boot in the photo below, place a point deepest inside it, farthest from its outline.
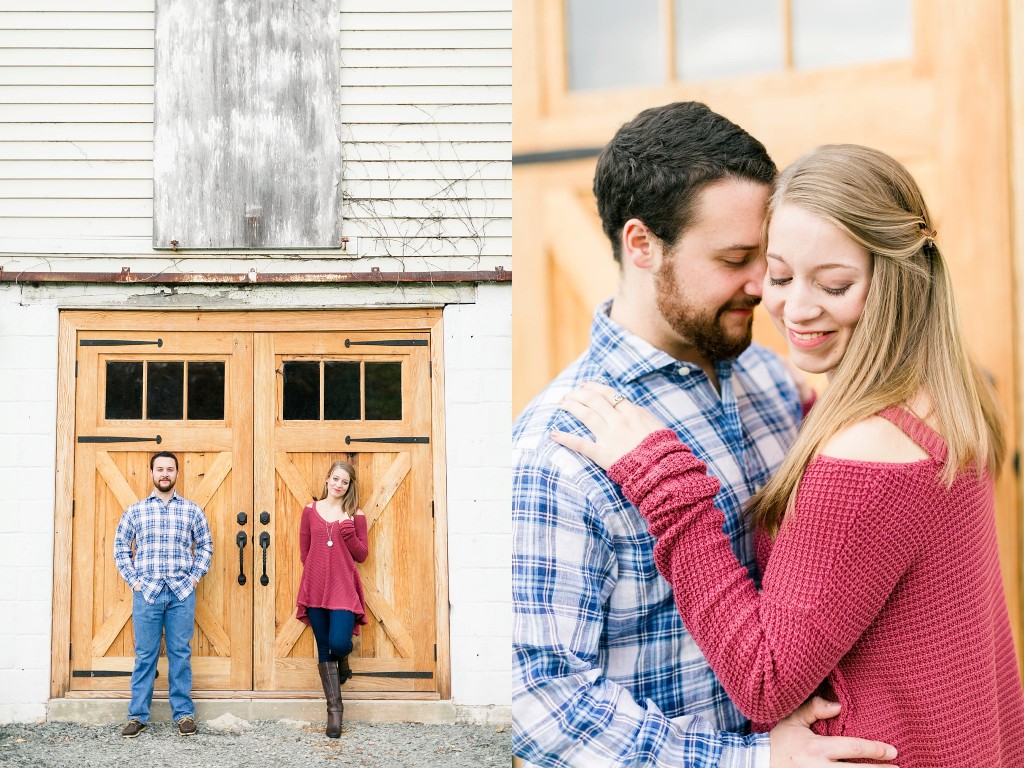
(344, 670)
(332, 690)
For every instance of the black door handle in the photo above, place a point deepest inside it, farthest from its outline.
(241, 540)
(264, 543)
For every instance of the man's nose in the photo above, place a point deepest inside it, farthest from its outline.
(754, 285)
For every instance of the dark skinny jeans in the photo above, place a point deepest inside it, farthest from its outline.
(333, 632)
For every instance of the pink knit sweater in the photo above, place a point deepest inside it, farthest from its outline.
(882, 591)
(329, 575)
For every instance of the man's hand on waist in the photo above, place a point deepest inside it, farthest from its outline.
(794, 745)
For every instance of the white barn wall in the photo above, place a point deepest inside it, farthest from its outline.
(28, 401)
(426, 105)
(478, 393)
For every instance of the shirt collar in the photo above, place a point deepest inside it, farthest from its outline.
(627, 357)
(174, 495)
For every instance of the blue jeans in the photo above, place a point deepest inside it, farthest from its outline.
(332, 631)
(176, 619)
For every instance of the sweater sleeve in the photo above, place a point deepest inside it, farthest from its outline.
(834, 564)
(304, 534)
(356, 538)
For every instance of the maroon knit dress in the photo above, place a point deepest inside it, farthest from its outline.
(882, 590)
(329, 576)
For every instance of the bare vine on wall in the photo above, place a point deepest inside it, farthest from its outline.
(445, 218)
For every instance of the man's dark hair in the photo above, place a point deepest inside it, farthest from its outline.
(656, 165)
(162, 455)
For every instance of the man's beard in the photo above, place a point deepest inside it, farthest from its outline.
(700, 326)
(160, 485)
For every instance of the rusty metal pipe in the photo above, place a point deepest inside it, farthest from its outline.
(374, 276)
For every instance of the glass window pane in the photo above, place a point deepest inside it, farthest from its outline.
(722, 38)
(206, 391)
(124, 390)
(341, 391)
(384, 391)
(842, 32)
(165, 390)
(600, 48)
(302, 391)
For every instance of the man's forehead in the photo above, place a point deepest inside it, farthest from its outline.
(164, 464)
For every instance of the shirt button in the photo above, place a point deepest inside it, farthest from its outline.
(684, 371)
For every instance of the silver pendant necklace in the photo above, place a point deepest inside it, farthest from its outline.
(330, 541)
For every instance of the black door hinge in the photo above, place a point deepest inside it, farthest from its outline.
(76, 369)
(435, 651)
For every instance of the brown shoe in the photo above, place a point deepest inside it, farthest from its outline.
(187, 725)
(133, 728)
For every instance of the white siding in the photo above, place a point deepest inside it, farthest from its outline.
(425, 100)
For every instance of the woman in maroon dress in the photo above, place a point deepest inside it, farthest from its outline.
(332, 539)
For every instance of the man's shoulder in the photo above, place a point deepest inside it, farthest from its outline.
(190, 505)
(532, 428)
(763, 369)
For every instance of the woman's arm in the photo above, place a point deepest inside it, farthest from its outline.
(356, 538)
(832, 568)
(304, 534)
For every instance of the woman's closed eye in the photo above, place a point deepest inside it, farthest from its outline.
(779, 280)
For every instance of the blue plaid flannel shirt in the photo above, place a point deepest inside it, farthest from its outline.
(604, 672)
(165, 536)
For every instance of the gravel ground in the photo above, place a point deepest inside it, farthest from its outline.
(228, 742)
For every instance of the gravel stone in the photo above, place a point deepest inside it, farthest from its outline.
(230, 742)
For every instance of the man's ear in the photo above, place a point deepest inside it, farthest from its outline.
(640, 246)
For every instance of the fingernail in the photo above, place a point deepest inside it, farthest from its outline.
(890, 753)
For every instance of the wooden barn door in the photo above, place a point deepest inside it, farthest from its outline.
(362, 398)
(137, 393)
(924, 108)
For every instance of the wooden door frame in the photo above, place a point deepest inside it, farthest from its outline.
(428, 319)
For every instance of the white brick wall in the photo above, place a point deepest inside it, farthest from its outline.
(28, 401)
(478, 405)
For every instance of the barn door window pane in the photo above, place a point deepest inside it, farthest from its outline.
(206, 391)
(614, 45)
(165, 390)
(724, 39)
(341, 391)
(301, 391)
(384, 391)
(124, 390)
(842, 32)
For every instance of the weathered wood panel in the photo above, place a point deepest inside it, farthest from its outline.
(246, 146)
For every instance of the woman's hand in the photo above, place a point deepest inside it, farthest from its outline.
(617, 425)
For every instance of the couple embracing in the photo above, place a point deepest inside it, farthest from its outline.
(698, 544)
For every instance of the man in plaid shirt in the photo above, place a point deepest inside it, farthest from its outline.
(604, 672)
(173, 549)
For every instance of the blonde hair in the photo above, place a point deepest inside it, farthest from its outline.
(908, 339)
(350, 500)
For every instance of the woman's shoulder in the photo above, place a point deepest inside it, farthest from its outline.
(874, 439)
(309, 508)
